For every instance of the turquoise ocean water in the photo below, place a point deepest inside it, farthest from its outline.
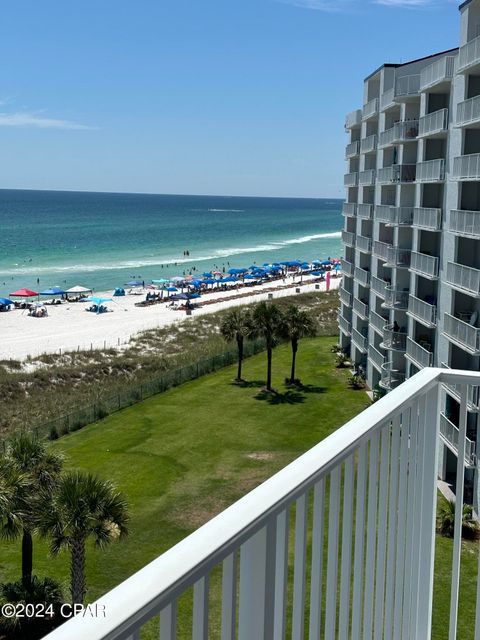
(103, 240)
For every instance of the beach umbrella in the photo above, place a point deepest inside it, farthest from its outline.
(170, 289)
(217, 273)
(177, 279)
(97, 301)
(305, 265)
(252, 277)
(190, 296)
(24, 293)
(195, 283)
(133, 283)
(318, 273)
(54, 291)
(5, 302)
(233, 271)
(230, 279)
(180, 296)
(207, 274)
(78, 289)
(209, 281)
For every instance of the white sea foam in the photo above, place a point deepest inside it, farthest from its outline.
(228, 210)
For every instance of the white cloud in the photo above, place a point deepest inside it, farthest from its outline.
(25, 119)
(346, 5)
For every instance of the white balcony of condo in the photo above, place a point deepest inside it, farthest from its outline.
(394, 216)
(469, 56)
(345, 325)
(394, 338)
(439, 72)
(464, 223)
(468, 112)
(364, 244)
(422, 310)
(419, 352)
(365, 211)
(396, 173)
(350, 179)
(377, 358)
(450, 434)
(348, 238)
(432, 124)
(361, 308)
(463, 278)
(380, 249)
(367, 177)
(362, 276)
(370, 109)
(431, 170)
(379, 286)
(347, 268)
(395, 298)
(340, 543)
(424, 264)
(368, 144)
(400, 132)
(466, 167)
(378, 322)
(397, 257)
(345, 296)
(352, 149)
(405, 88)
(455, 390)
(359, 340)
(353, 119)
(462, 333)
(427, 218)
(349, 208)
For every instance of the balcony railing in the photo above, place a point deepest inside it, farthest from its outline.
(359, 340)
(352, 149)
(394, 340)
(348, 238)
(360, 308)
(362, 276)
(370, 109)
(418, 354)
(468, 112)
(407, 86)
(347, 268)
(463, 278)
(364, 244)
(380, 249)
(387, 99)
(397, 173)
(441, 70)
(349, 208)
(423, 311)
(369, 144)
(379, 286)
(433, 123)
(468, 55)
(394, 216)
(397, 257)
(451, 434)
(465, 223)
(473, 393)
(431, 170)
(377, 358)
(395, 298)
(365, 211)
(350, 179)
(367, 177)
(466, 167)
(345, 297)
(424, 264)
(400, 132)
(353, 119)
(462, 334)
(363, 506)
(391, 377)
(427, 218)
(378, 322)
(345, 325)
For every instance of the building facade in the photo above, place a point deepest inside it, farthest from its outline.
(410, 296)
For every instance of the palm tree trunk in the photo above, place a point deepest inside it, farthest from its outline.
(77, 571)
(27, 558)
(294, 357)
(269, 368)
(240, 357)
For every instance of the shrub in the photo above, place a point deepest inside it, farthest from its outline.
(446, 521)
(342, 360)
(357, 382)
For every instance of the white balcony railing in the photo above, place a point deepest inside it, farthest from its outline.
(424, 264)
(350, 179)
(397, 257)
(463, 278)
(464, 223)
(407, 86)
(468, 112)
(395, 298)
(347, 268)
(431, 170)
(367, 177)
(359, 340)
(391, 377)
(421, 356)
(364, 244)
(378, 322)
(433, 123)
(387, 99)
(360, 308)
(395, 340)
(352, 149)
(400, 132)
(455, 390)
(462, 334)
(451, 434)
(345, 325)
(427, 218)
(363, 507)
(370, 109)
(466, 167)
(362, 276)
(379, 286)
(394, 216)
(423, 311)
(349, 208)
(439, 71)
(345, 297)
(353, 119)
(365, 211)
(380, 249)
(397, 173)
(369, 144)
(377, 358)
(468, 55)
(348, 238)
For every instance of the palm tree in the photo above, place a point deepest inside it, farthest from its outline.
(296, 324)
(40, 468)
(83, 506)
(267, 322)
(237, 325)
(446, 520)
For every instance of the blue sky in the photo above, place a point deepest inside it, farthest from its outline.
(239, 97)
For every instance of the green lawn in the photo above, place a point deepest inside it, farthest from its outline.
(183, 456)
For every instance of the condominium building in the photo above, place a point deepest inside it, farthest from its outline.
(410, 296)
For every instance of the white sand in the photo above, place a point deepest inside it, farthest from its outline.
(69, 327)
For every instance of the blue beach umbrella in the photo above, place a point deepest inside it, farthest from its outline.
(235, 270)
(97, 301)
(5, 301)
(318, 273)
(209, 281)
(172, 289)
(54, 291)
(134, 283)
(207, 274)
(252, 277)
(192, 296)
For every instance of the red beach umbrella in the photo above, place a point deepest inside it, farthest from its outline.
(24, 293)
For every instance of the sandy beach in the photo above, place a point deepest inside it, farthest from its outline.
(69, 327)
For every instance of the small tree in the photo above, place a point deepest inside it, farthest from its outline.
(446, 520)
(296, 324)
(267, 322)
(237, 325)
(82, 507)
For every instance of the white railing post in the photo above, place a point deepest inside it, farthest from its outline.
(281, 575)
(317, 562)
(229, 597)
(298, 615)
(168, 622)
